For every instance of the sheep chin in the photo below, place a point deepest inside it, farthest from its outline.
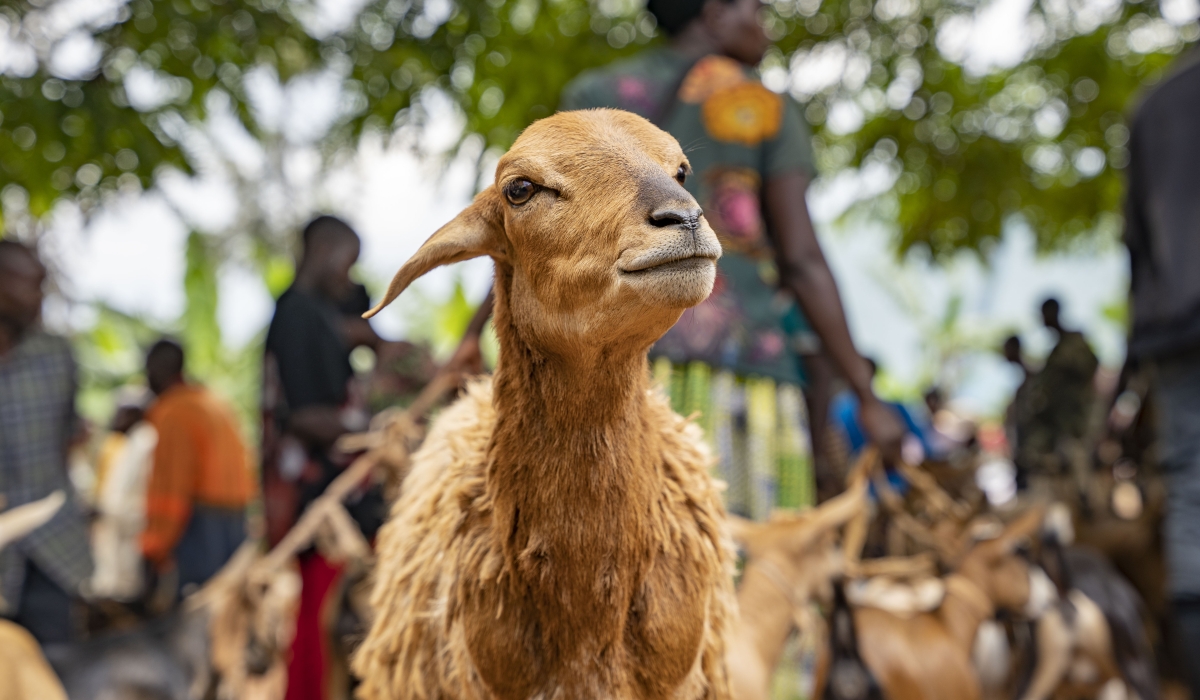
(680, 284)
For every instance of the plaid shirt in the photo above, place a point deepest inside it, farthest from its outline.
(37, 420)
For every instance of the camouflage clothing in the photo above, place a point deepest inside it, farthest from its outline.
(1053, 411)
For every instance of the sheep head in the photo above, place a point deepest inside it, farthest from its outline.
(804, 546)
(589, 220)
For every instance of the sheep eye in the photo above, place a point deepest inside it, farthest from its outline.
(681, 174)
(519, 191)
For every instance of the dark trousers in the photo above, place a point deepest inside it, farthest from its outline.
(1186, 614)
(46, 610)
(211, 538)
(1178, 403)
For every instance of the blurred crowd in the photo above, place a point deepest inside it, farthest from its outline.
(165, 493)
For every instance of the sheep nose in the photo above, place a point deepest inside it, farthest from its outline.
(686, 217)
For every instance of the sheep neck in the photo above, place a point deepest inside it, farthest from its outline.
(961, 614)
(760, 602)
(573, 467)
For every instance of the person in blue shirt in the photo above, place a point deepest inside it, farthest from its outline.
(843, 414)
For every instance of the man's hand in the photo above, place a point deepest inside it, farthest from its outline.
(883, 427)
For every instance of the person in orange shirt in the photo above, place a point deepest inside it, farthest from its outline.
(201, 480)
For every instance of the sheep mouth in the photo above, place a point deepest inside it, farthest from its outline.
(692, 263)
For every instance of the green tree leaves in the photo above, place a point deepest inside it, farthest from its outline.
(884, 83)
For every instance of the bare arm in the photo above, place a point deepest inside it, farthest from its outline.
(322, 425)
(358, 332)
(804, 272)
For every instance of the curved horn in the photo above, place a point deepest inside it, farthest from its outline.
(741, 529)
(838, 510)
(1024, 527)
(474, 232)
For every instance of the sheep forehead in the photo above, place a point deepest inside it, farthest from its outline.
(590, 147)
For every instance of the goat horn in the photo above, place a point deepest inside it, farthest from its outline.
(469, 235)
(867, 463)
(740, 528)
(938, 498)
(1025, 526)
(22, 520)
(949, 549)
(841, 508)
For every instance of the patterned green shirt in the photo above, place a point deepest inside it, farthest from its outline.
(736, 134)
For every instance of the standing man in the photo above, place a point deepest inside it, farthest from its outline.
(309, 401)
(309, 397)
(1162, 230)
(1018, 417)
(733, 356)
(1069, 373)
(200, 481)
(1061, 400)
(41, 575)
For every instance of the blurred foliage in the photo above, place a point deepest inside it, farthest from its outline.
(440, 325)
(1044, 139)
(1118, 312)
(111, 354)
(97, 96)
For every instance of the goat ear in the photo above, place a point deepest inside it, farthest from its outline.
(476, 231)
(838, 510)
(1023, 528)
(742, 530)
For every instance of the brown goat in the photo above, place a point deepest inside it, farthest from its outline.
(928, 656)
(791, 562)
(1094, 637)
(559, 535)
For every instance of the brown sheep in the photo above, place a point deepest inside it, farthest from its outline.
(928, 656)
(559, 535)
(791, 562)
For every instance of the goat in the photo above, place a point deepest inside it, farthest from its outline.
(1095, 636)
(559, 534)
(928, 656)
(791, 561)
(228, 639)
(24, 673)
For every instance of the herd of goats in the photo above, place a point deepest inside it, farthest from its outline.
(959, 601)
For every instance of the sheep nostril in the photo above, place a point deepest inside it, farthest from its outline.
(688, 218)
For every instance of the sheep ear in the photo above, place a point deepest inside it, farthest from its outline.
(476, 231)
(742, 530)
(1023, 528)
(840, 509)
